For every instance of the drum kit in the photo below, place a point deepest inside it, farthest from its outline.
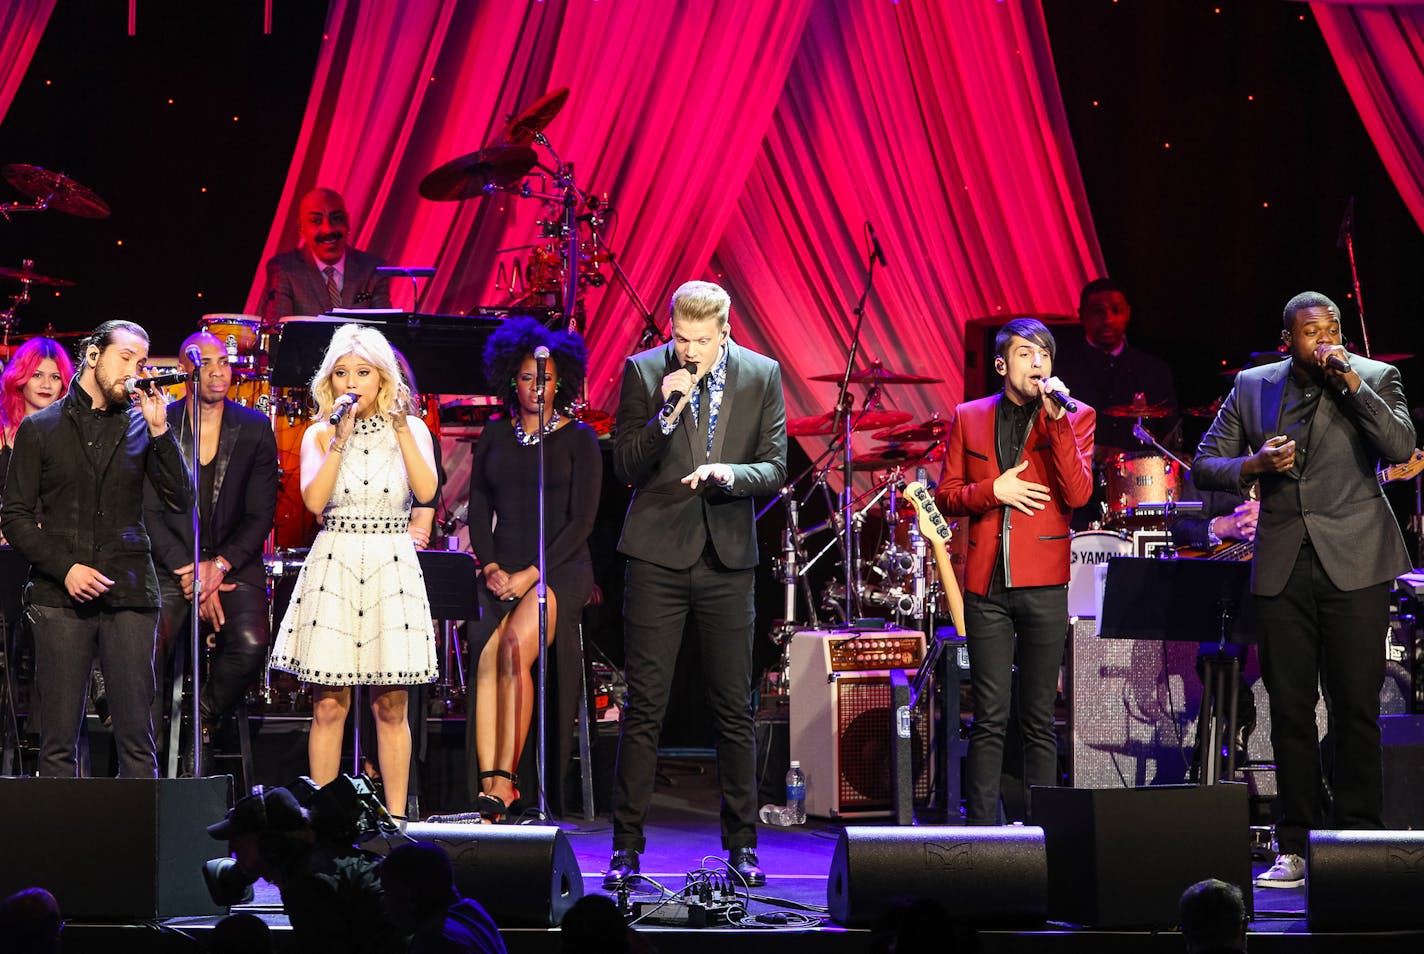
(890, 567)
(571, 250)
(46, 190)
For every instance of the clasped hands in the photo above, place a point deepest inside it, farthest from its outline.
(209, 605)
(510, 586)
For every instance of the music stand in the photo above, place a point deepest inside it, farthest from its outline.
(1180, 600)
(445, 351)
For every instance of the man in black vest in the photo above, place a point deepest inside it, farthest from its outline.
(703, 430)
(74, 508)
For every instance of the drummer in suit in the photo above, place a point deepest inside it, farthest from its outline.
(323, 272)
(1016, 465)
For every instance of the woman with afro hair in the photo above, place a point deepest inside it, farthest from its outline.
(504, 533)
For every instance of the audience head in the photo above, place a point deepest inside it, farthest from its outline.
(38, 375)
(594, 923)
(267, 832)
(419, 883)
(241, 934)
(1213, 917)
(30, 922)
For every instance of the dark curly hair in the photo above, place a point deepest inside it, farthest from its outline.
(516, 340)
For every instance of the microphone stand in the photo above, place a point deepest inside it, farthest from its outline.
(843, 411)
(1347, 242)
(195, 640)
(542, 592)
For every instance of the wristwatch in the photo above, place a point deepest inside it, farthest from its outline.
(227, 567)
(1211, 537)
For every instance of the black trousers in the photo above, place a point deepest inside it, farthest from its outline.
(66, 640)
(241, 645)
(1313, 634)
(655, 607)
(1015, 640)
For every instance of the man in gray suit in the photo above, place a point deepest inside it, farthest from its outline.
(323, 272)
(702, 429)
(1327, 548)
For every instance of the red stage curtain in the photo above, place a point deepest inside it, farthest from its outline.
(1379, 51)
(942, 125)
(762, 131)
(22, 23)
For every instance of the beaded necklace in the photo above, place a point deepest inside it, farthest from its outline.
(528, 439)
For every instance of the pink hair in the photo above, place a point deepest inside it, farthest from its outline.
(19, 371)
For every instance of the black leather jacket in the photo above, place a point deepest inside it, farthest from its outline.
(59, 509)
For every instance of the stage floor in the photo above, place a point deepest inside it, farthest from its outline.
(683, 835)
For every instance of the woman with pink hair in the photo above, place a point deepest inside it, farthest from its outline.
(38, 375)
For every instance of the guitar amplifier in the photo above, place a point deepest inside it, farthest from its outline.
(841, 720)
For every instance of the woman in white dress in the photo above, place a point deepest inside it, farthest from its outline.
(359, 615)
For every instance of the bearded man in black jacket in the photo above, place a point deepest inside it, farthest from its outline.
(73, 507)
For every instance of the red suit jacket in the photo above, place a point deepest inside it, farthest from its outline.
(1060, 456)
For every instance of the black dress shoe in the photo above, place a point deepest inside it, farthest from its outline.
(621, 867)
(744, 863)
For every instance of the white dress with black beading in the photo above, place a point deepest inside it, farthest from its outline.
(359, 615)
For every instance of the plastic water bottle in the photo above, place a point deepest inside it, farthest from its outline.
(795, 795)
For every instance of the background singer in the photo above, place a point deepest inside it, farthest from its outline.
(690, 539)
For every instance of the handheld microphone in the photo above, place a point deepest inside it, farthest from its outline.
(541, 358)
(876, 252)
(1064, 401)
(674, 397)
(1334, 361)
(157, 381)
(343, 404)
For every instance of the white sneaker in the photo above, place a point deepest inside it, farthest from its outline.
(1287, 872)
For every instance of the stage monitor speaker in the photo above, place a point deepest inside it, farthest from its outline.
(1123, 857)
(987, 875)
(1364, 881)
(1402, 737)
(980, 378)
(523, 876)
(841, 722)
(113, 848)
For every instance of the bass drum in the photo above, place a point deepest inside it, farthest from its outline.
(291, 411)
(1092, 549)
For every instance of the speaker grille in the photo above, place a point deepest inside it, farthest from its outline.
(863, 731)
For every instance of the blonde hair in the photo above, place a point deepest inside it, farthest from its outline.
(699, 301)
(370, 346)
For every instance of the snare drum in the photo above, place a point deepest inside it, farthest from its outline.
(1136, 478)
(1091, 549)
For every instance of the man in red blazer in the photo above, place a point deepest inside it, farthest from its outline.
(1017, 464)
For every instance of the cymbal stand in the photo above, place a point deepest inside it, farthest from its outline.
(1145, 436)
(7, 317)
(843, 407)
(569, 195)
(1347, 241)
(39, 205)
(651, 332)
